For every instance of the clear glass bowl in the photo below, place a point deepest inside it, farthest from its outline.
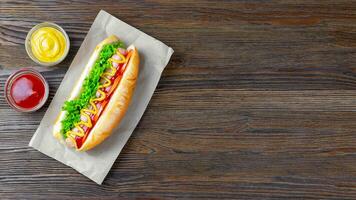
(28, 43)
(10, 81)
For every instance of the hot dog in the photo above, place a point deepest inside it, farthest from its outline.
(101, 96)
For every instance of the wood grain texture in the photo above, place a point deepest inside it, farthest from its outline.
(258, 102)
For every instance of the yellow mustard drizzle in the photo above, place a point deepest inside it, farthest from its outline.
(112, 70)
(101, 97)
(94, 108)
(74, 133)
(123, 59)
(106, 84)
(88, 123)
(80, 132)
(89, 110)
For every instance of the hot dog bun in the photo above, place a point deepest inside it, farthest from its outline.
(117, 106)
(118, 103)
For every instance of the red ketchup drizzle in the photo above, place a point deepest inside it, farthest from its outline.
(79, 141)
(119, 73)
(27, 91)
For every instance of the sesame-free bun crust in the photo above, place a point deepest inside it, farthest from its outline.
(116, 108)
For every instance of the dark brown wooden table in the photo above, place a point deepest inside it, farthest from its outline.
(258, 102)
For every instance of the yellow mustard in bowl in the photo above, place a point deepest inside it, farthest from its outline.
(48, 44)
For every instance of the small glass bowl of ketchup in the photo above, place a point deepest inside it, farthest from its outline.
(26, 90)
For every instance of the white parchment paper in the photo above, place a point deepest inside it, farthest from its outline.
(154, 56)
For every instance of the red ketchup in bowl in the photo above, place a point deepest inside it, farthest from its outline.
(26, 90)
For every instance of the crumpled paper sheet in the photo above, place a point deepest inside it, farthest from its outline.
(154, 56)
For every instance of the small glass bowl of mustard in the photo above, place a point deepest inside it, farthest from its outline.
(47, 44)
